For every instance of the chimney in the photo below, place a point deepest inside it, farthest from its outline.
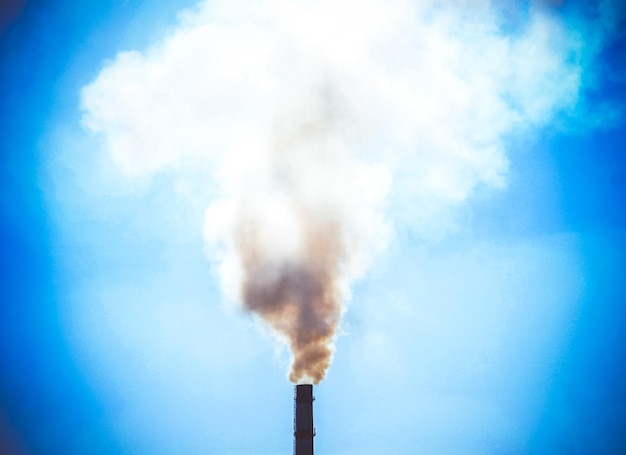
(303, 430)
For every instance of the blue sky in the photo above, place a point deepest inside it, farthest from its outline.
(485, 302)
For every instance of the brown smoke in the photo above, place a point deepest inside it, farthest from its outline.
(299, 298)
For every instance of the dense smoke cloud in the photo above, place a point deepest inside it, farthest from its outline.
(300, 226)
(323, 124)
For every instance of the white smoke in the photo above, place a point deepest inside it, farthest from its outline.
(323, 124)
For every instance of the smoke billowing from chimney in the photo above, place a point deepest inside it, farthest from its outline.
(307, 129)
(300, 227)
(299, 297)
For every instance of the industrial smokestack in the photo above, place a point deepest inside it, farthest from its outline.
(303, 430)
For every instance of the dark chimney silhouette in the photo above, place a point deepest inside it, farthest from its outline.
(303, 430)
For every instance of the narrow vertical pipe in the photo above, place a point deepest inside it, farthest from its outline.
(303, 429)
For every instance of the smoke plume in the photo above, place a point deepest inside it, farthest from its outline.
(300, 226)
(320, 126)
(299, 298)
